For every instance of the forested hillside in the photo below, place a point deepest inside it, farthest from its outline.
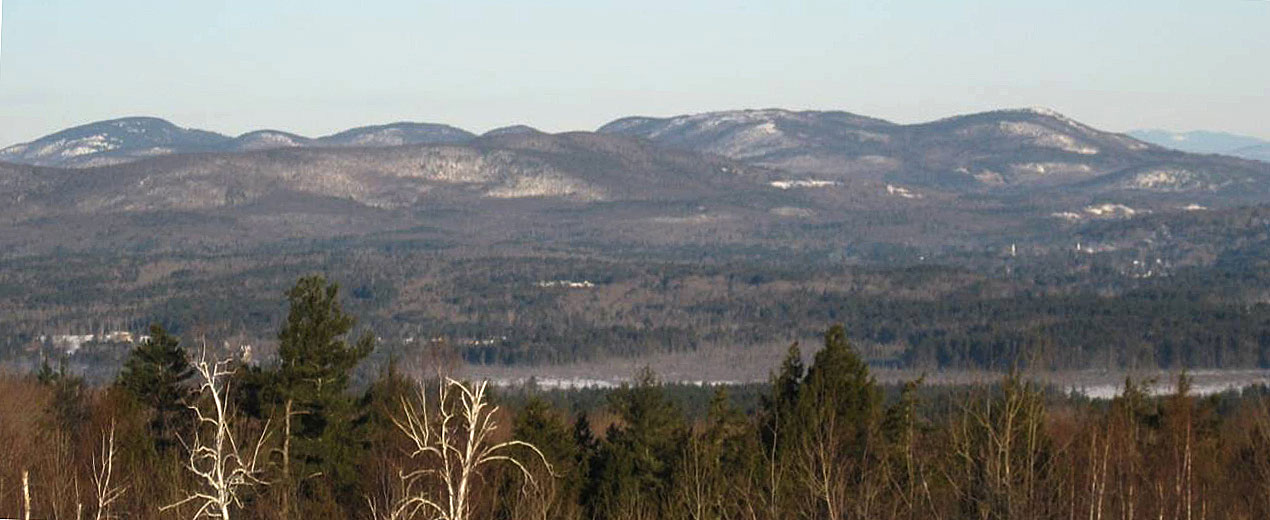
(188, 430)
(979, 241)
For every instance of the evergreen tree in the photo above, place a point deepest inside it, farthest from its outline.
(716, 479)
(778, 406)
(70, 404)
(777, 429)
(557, 494)
(637, 460)
(838, 414)
(315, 363)
(155, 374)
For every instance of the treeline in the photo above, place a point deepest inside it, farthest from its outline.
(183, 433)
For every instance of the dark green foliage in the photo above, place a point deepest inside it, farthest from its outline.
(560, 490)
(540, 425)
(839, 389)
(69, 405)
(156, 375)
(637, 460)
(314, 365)
(723, 464)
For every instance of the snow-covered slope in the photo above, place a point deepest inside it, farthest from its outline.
(269, 139)
(112, 142)
(983, 151)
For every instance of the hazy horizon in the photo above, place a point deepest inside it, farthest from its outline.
(318, 67)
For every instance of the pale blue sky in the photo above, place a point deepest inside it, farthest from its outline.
(316, 66)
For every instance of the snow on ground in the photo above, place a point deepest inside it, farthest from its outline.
(902, 192)
(803, 183)
(788, 211)
(1042, 136)
(1100, 211)
(1044, 168)
(1171, 178)
(569, 284)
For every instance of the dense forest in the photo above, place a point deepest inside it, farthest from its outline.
(188, 431)
(1133, 309)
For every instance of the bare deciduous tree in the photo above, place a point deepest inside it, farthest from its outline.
(222, 468)
(103, 473)
(452, 444)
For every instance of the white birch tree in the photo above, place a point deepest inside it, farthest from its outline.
(223, 469)
(451, 444)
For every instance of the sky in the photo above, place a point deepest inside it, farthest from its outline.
(318, 66)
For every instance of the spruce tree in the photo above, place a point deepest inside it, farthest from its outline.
(638, 458)
(837, 417)
(839, 383)
(559, 491)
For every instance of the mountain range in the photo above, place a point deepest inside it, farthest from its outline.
(768, 176)
(647, 234)
(133, 138)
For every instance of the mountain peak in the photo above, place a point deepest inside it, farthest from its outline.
(397, 134)
(512, 130)
(113, 141)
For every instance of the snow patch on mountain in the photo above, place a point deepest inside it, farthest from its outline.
(1108, 210)
(1174, 179)
(702, 218)
(1051, 168)
(1044, 137)
(902, 192)
(792, 212)
(803, 183)
(546, 186)
(268, 139)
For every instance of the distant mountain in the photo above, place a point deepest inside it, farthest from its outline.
(976, 152)
(569, 168)
(269, 139)
(1259, 152)
(129, 139)
(397, 134)
(1201, 141)
(968, 179)
(511, 130)
(112, 142)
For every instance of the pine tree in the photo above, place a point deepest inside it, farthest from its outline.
(315, 363)
(155, 374)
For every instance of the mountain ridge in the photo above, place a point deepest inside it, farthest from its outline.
(112, 141)
(780, 174)
(1207, 142)
(127, 139)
